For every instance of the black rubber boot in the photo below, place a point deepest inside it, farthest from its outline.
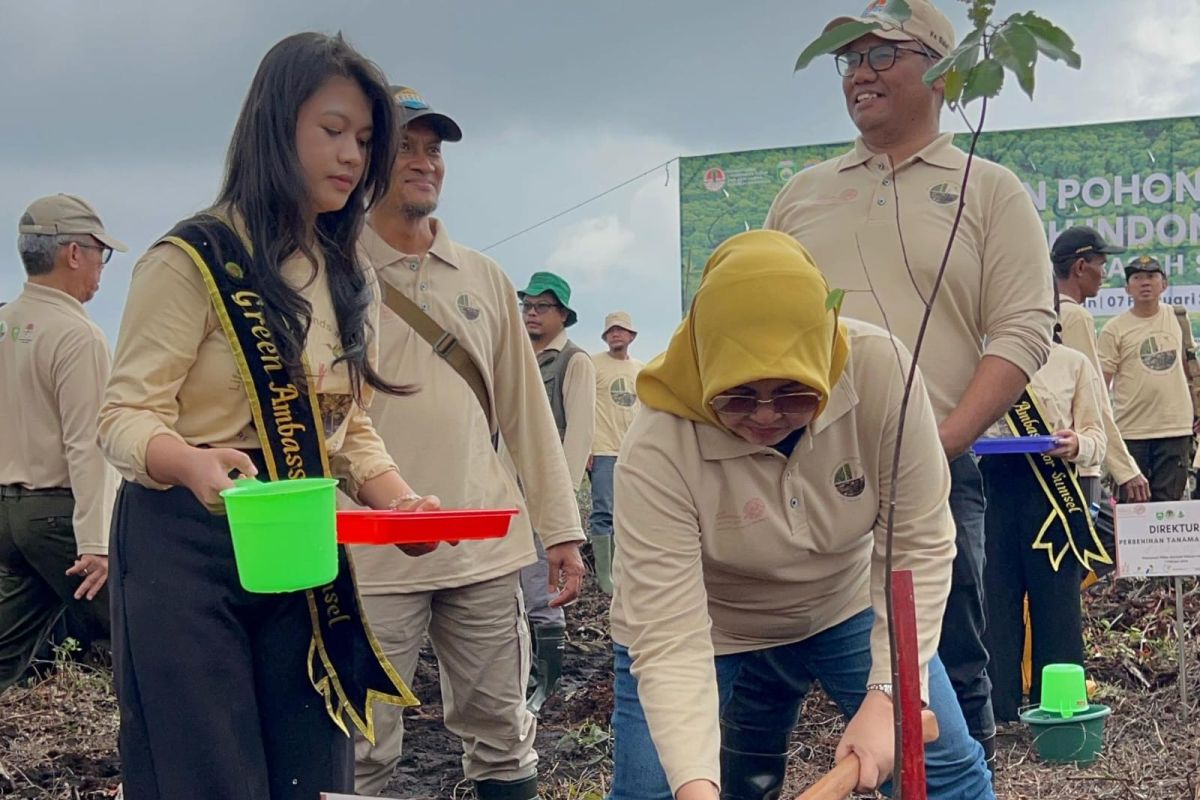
(989, 754)
(746, 772)
(524, 789)
(548, 645)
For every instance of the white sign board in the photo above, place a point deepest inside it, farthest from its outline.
(1157, 539)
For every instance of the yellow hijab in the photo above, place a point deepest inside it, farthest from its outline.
(759, 314)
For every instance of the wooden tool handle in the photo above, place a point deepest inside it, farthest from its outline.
(840, 781)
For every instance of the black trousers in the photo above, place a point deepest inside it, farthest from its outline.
(1016, 509)
(211, 680)
(962, 647)
(1165, 463)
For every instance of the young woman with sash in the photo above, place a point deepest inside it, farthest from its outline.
(247, 346)
(1041, 539)
(752, 496)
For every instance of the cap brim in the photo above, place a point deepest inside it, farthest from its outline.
(109, 241)
(1110, 249)
(618, 325)
(446, 128)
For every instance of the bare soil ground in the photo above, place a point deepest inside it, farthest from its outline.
(58, 735)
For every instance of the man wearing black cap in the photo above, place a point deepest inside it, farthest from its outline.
(1142, 356)
(1079, 256)
(450, 326)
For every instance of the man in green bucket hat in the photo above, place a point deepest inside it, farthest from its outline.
(570, 379)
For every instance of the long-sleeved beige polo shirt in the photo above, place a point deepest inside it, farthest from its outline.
(440, 437)
(174, 373)
(579, 401)
(54, 364)
(1079, 333)
(727, 546)
(997, 283)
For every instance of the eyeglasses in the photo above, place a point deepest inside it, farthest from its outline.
(743, 405)
(879, 58)
(105, 252)
(538, 308)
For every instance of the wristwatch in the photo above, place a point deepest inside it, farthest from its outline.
(886, 688)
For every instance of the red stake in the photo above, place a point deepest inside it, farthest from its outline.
(907, 692)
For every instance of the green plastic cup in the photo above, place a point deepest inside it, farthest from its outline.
(284, 533)
(1064, 690)
(1078, 740)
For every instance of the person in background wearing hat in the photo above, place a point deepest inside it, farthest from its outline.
(1141, 353)
(466, 598)
(616, 405)
(752, 504)
(56, 490)
(570, 382)
(877, 220)
(1080, 256)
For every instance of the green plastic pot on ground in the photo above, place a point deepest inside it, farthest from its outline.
(284, 533)
(1077, 740)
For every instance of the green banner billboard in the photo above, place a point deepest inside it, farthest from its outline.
(1138, 183)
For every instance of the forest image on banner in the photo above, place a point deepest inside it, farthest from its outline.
(1138, 183)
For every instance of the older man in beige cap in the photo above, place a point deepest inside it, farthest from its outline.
(56, 491)
(991, 323)
(616, 405)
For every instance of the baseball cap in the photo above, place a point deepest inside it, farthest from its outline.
(66, 214)
(542, 282)
(1079, 241)
(1143, 264)
(927, 25)
(412, 106)
(618, 319)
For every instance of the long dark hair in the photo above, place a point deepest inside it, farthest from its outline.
(265, 184)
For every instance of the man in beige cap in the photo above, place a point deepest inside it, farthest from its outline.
(479, 380)
(56, 490)
(616, 405)
(905, 176)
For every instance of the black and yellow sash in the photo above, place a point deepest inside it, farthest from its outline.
(1068, 526)
(345, 662)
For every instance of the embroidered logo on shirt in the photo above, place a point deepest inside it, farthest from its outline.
(334, 410)
(1154, 358)
(754, 509)
(467, 307)
(22, 336)
(944, 193)
(849, 480)
(621, 394)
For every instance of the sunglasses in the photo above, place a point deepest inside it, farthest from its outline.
(742, 405)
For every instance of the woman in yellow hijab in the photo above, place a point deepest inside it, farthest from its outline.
(751, 500)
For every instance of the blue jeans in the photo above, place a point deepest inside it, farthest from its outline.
(962, 649)
(764, 689)
(600, 523)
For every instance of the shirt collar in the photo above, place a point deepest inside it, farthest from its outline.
(558, 342)
(941, 152)
(382, 254)
(56, 297)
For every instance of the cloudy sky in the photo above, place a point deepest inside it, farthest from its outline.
(130, 104)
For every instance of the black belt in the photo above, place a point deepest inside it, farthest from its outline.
(7, 492)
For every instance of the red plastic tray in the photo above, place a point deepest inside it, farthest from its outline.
(422, 527)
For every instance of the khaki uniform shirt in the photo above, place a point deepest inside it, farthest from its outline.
(1079, 333)
(727, 546)
(174, 373)
(1068, 390)
(616, 401)
(440, 437)
(996, 285)
(579, 400)
(1149, 388)
(53, 366)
